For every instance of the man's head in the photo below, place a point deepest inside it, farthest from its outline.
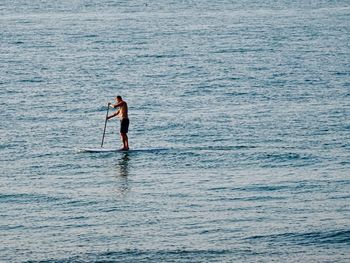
(118, 98)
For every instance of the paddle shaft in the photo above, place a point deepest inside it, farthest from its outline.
(104, 130)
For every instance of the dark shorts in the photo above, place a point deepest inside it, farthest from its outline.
(124, 126)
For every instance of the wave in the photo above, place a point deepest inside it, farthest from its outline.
(320, 238)
(136, 255)
(27, 198)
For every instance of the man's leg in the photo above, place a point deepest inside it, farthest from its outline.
(122, 139)
(125, 141)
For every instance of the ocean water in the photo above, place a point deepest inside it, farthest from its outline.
(240, 131)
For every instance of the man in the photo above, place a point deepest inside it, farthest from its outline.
(122, 113)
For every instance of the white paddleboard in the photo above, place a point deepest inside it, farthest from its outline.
(100, 150)
(108, 150)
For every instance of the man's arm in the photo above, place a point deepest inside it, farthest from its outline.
(113, 115)
(117, 104)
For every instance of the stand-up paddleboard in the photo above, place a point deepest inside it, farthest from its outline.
(110, 150)
(100, 150)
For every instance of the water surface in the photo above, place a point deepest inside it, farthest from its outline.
(239, 125)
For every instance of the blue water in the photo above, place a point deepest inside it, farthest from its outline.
(240, 128)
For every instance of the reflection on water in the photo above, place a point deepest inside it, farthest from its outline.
(123, 172)
(123, 164)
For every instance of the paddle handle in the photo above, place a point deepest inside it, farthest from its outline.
(104, 129)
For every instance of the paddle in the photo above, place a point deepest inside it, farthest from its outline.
(104, 130)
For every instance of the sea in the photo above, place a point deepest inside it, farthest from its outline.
(239, 131)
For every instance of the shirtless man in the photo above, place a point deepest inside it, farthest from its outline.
(122, 113)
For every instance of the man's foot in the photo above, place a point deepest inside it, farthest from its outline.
(124, 149)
